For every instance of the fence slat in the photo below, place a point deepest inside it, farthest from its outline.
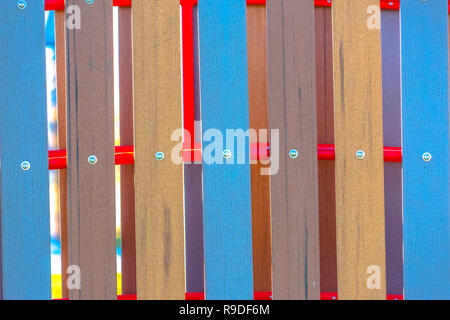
(193, 173)
(126, 138)
(292, 110)
(392, 131)
(425, 119)
(60, 52)
(90, 119)
(158, 184)
(325, 135)
(358, 126)
(25, 220)
(260, 184)
(226, 195)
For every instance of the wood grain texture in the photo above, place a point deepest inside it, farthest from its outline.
(90, 119)
(25, 219)
(260, 184)
(425, 119)
(325, 135)
(294, 188)
(60, 52)
(358, 125)
(226, 186)
(127, 206)
(392, 130)
(193, 192)
(158, 184)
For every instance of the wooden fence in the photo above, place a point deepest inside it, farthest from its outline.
(354, 202)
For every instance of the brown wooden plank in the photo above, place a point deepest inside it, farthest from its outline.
(325, 135)
(260, 184)
(90, 110)
(158, 184)
(292, 110)
(358, 126)
(126, 138)
(60, 53)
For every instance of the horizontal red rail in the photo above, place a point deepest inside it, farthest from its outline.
(257, 296)
(196, 296)
(384, 4)
(59, 4)
(57, 159)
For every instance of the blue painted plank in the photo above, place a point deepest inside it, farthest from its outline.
(425, 115)
(224, 105)
(25, 214)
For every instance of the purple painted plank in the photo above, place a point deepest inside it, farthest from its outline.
(390, 47)
(193, 196)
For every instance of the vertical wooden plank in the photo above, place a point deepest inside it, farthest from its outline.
(90, 112)
(60, 52)
(294, 188)
(193, 191)
(260, 184)
(126, 138)
(358, 126)
(425, 118)
(25, 218)
(325, 135)
(392, 129)
(158, 184)
(226, 183)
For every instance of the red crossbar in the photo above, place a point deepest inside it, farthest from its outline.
(384, 4)
(257, 296)
(59, 4)
(57, 159)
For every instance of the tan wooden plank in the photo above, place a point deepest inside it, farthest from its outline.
(358, 126)
(158, 184)
(260, 184)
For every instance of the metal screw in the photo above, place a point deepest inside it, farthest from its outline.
(92, 159)
(360, 154)
(226, 154)
(333, 297)
(25, 166)
(159, 156)
(90, 1)
(293, 153)
(22, 4)
(426, 157)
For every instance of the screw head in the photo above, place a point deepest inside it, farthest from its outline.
(92, 159)
(226, 154)
(21, 4)
(426, 157)
(293, 153)
(333, 298)
(159, 156)
(25, 165)
(90, 1)
(360, 154)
